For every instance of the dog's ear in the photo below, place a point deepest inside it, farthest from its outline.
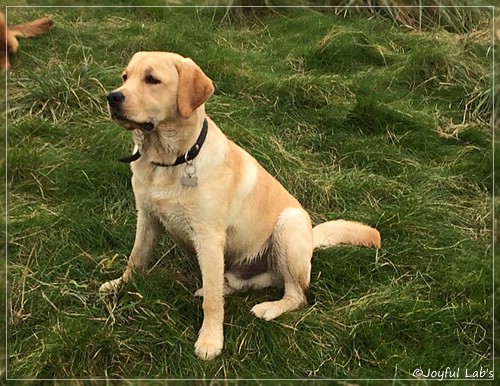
(194, 87)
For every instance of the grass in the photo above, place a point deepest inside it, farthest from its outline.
(360, 118)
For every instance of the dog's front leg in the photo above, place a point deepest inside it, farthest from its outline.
(210, 251)
(147, 234)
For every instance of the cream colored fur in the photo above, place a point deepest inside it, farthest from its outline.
(236, 215)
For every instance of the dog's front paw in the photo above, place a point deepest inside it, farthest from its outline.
(111, 287)
(208, 347)
(199, 293)
(267, 310)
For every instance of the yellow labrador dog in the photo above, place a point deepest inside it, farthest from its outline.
(212, 197)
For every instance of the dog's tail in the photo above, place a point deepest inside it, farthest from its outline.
(337, 232)
(32, 28)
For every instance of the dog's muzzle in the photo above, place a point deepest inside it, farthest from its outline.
(115, 102)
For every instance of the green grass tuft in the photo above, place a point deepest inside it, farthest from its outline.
(344, 51)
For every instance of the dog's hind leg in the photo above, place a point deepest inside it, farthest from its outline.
(235, 283)
(32, 28)
(292, 252)
(266, 279)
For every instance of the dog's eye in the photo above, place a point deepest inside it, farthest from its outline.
(124, 77)
(150, 79)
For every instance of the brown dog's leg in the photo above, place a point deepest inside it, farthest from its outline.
(32, 28)
(8, 41)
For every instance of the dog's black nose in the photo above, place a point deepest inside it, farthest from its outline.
(115, 98)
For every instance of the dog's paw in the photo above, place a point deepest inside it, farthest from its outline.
(13, 46)
(46, 22)
(199, 293)
(227, 291)
(111, 287)
(267, 310)
(208, 348)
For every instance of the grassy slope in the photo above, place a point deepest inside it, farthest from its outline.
(358, 118)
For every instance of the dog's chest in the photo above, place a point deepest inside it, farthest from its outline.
(163, 194)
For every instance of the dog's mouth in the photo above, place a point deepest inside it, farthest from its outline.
(130, 124)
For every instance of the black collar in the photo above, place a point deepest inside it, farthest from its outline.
(189, 156)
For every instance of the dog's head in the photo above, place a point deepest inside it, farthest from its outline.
(158, 87)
